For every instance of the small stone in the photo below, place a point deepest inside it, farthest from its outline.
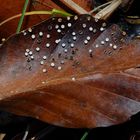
(90, 29)
(102, 42)
(3, 39)
(88, 18)
(40, 34)
(62, 26)
(73, 33)
(37, 49)
(52, 64)
(115, 47)
(47, 45)
(96, 45)
(75, 17)
(59, 19)
(30, 52)
(73, 79)
(68, 18)
(104, 24)
(27, 50)
(88, 38)
(44, 70)
(30, 30)
(57, 41)
(24, 33)
(65, 50)
(63, 45)
(48, 35)
(72, 45)
(96, 19)
(32, 57)
(94, 30)
(33, 36)
(101, 29)
(74, 38)
(107, 39)
(44, 57)
(84, 25)
(42, 62)
(90, 51)
(62, 62)
(56, 26)
(69, 24)
(123, 33)
(26, 54)
(59, 31)
(85, 42)
(59, 68)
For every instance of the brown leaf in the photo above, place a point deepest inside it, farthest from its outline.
(10, 9)
(87, 79)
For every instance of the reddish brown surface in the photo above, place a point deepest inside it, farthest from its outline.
(91, 90)
(10, 8)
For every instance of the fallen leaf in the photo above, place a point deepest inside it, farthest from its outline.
(71, 72)
(10, 9)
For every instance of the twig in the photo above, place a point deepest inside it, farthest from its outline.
(99, 7)
(107, 11)
(74, 6)
(22, 16)
(26, 133)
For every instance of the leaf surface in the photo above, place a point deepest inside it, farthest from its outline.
(85, 73)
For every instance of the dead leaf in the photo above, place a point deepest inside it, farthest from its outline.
(10, 9)
(71, 72)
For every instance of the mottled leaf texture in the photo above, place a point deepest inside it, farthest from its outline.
(71, 72)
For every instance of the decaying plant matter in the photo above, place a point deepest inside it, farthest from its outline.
(73, 72)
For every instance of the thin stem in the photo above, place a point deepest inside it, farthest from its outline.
(99, 7)
(36, 13)
(55, 11)
(22, 16)
(84, 136)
